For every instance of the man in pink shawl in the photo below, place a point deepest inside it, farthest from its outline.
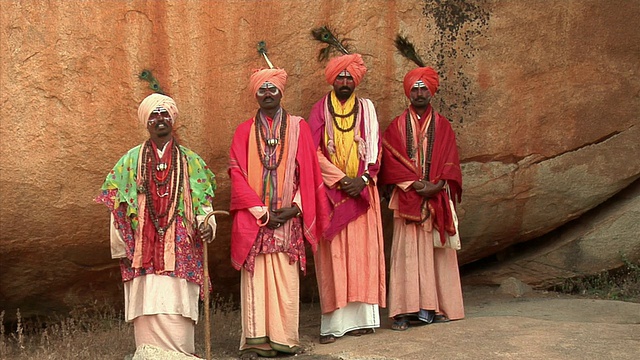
(158, 195)
(277, 202)
(349, 263)
(421, 160)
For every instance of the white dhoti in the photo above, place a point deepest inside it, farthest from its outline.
(164, 311)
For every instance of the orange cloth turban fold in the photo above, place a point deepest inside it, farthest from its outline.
(353, 63)
(277, 77)
(426, 74)
(153, 101)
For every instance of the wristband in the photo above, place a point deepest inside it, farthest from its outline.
(265, 222)
(365, 178)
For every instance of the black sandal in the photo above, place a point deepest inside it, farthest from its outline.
(400, 324)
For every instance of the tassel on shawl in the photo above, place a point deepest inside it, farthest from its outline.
(331, 147)
(362, 147)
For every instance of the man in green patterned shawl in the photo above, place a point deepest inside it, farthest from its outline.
(158, 194)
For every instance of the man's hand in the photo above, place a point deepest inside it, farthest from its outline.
(206, 232)
(287, 213)
(352, 186)
(427, 189)
(278, 217)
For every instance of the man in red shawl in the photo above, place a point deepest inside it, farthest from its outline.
(421, 159)
(277, 202)
(349, 263)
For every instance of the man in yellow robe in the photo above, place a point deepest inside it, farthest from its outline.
(350, 265)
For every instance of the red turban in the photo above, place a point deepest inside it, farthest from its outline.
(277, 77)
(352, 63)
(153, 101)
(428, 76)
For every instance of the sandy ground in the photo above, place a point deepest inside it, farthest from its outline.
(539, 325)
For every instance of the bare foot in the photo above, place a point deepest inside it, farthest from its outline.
(327, 339)
(249, 355)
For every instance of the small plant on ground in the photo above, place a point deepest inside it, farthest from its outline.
(98, 331)
(622, 283)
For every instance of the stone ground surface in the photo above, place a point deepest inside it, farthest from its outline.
(538, 325)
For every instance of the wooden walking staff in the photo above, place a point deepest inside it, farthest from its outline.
(207, 313)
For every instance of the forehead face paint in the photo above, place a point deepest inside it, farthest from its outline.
(345, 73)
(419, 84)
(159, 110)
(159, 113)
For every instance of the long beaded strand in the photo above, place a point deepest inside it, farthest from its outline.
(264, 159)
(176, 186)
(409, 139)
(352, 112)
(431, 139)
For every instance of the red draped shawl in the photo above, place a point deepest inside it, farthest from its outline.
(314, 201)
(445, 165)
(344, 209)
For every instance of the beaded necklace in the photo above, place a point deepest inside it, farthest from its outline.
(411, 152)
(334, 115)
(270, 143)
(430, 138)
(159, 167)
(150, 166)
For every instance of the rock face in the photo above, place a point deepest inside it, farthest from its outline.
(605, 238)
(544, 100)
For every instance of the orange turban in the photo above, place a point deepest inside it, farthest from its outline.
(153, 101)
(353, 63)
(277, 77)
(428, 76)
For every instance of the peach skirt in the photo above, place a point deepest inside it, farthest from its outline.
(421, 276)
(270, 304)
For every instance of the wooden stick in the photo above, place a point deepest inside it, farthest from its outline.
(207, 312)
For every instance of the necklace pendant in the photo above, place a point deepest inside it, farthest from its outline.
(160, 232)
(273, 142)
(161, 167)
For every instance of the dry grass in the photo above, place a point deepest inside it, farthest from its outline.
(99, 332)
(618, 284)
(91, 332)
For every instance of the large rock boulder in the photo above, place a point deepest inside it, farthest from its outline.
(554, 132)
(545, 132)
(605, 238)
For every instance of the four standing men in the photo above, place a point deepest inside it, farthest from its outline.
(350, 260)
(282, 173)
